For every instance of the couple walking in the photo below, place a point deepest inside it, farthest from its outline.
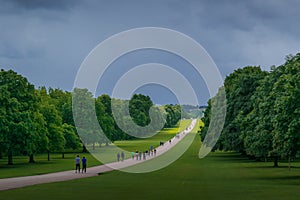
(77, 164)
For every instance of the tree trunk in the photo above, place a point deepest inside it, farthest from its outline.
(84, 149)
(289, 163)
(31, 159)
(48, 155)
(10, 157)
(1, 154)
(276, 161)
(63, 155)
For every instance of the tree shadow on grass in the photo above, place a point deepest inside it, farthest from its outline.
(284, 179)
(230, 157)
(25, 164)
(269, 166)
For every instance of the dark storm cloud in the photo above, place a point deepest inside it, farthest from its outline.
(46, 40)
(239, 33)
(44, 4)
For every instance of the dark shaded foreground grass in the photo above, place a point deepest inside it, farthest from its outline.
(218, 176)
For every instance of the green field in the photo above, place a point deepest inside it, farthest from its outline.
(218, 176)
(143, 144)
(21, 166)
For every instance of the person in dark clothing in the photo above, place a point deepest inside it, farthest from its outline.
(122, 156)
(83, 160)
(118, 156)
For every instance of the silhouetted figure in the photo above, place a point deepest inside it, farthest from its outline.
(118, 156)
(122, 156)
(83, 160)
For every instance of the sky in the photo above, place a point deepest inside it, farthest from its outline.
(47, 41)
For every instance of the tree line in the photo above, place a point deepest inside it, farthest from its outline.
(41, 120)
(263, 112)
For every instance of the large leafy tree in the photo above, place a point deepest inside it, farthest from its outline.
(63, 103)
(84, 116)
(263, 111)
(239, 87)
(54, 129)
(71, 138)
(286, 123)
(20, 121)
(139, 106)
(173, 113)
(105, 119)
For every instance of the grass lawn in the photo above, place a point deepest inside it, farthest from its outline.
(144, 144)
(218, 176)
(21, 166)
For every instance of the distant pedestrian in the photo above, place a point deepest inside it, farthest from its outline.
(144, 155)
(169, 141)
(154, 152)
(118, 156)
(140, 155)
(137, 154)
(77, 164)
(83, 160)
(122, 156)
(132, 155)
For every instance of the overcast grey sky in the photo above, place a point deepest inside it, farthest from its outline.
(47, 40)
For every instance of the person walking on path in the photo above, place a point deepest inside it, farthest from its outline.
(83, 160)
(122, 156)
(132, 155)
(77, 164)
(154, 152)
(137, 154)
(118, 156)
(144, 155)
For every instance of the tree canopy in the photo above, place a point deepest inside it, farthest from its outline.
(42, 120)
(263, 112)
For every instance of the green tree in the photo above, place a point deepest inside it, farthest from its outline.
(71, 138)
(239, 87)
(18, 109)
(85, 119)
(53, 124)
(173, 113)
(139, 106)
(286, 123)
